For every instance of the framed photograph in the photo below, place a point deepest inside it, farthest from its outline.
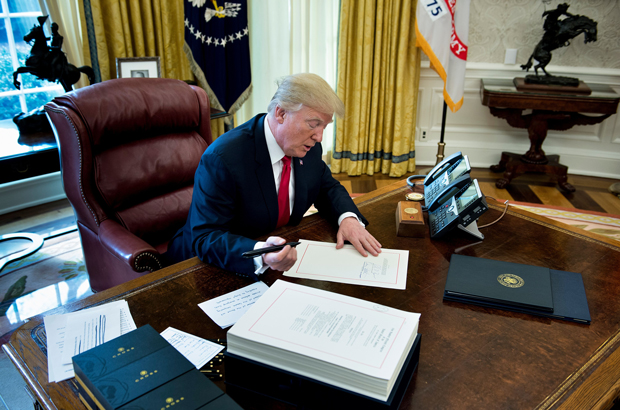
(138, 67)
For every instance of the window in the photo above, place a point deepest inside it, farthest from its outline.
(17, 18)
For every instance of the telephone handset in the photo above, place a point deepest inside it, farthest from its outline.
(447, 192)
(461, 210)
(442, 167)
(443, 175)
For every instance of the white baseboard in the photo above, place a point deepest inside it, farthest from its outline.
(30, 192)
(485, 157)
(592, 150)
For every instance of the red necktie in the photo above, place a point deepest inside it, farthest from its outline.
(284, 212)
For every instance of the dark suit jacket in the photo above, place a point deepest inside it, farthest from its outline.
(235, 198)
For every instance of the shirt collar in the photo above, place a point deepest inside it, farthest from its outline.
(275, 152)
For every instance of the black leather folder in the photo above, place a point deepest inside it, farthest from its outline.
(534, 290)
(501, 283)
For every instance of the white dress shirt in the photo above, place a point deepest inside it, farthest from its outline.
(276, 154)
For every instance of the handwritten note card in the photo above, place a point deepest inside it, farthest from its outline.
(225, 310)
(195, 349)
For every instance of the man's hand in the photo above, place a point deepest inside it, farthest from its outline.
(351, 230)
(282, 260)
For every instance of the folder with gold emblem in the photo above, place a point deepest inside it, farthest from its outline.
(517, 287)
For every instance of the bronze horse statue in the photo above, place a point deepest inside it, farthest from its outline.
(558, 33)
(50, 63)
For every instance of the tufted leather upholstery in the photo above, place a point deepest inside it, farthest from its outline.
(128, 150)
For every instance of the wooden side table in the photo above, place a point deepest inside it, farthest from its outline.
(549, 111)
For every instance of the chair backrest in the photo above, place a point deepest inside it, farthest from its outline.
(129, 150)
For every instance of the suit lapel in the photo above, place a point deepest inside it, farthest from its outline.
(264, 172)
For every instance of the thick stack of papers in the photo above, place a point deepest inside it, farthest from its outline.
(347, 342)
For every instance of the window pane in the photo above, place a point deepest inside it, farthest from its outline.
(37, 100)
(9, 107)
(31, 81)
(6, 66)
(24, 5)
(21, 27)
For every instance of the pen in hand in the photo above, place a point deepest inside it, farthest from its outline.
(258, 252)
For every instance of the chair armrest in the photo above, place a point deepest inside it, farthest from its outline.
(127, 247)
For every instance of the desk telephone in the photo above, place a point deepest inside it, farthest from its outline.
(452, 198)
(444, 174)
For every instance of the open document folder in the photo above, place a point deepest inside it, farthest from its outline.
(322, 261)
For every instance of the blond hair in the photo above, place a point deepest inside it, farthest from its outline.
(306, 89)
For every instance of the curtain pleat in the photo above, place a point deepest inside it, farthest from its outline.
(138, 28)
(378, 77)
(66, 14)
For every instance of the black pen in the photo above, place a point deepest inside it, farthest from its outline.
(258, 252)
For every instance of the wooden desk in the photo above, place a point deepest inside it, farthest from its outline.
(471, 357)
(549, 111)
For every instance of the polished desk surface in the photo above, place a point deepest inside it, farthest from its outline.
(471, 357)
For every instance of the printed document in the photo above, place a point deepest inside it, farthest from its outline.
(322, 261)
(89, 328)
(76, 330)
(225, 310)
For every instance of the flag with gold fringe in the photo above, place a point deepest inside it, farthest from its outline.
(442, 33)
(218, 48)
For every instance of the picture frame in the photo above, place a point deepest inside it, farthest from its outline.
(144, 67)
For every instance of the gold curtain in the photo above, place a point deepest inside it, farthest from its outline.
(140, 28)
(378, 77)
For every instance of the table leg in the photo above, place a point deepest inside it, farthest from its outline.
(501, 167)
(514, 165)
(535, 160)
(561, 172)
(537, 132)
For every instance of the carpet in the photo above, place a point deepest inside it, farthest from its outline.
(596, 222)
(52, 276)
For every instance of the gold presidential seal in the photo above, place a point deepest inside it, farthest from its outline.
(510, 281)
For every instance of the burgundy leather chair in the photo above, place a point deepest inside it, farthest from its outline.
(129, 149)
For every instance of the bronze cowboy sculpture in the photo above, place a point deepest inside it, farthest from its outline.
(49, 62)
(558, 33)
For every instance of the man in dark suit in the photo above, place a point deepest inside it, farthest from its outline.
(241, 184)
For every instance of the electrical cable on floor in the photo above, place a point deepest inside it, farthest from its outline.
(500, 217)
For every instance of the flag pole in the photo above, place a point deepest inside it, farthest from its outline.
(441, 144)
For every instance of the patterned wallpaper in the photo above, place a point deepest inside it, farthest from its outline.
(496, 25)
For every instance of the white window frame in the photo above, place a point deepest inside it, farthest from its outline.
(22, 92)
